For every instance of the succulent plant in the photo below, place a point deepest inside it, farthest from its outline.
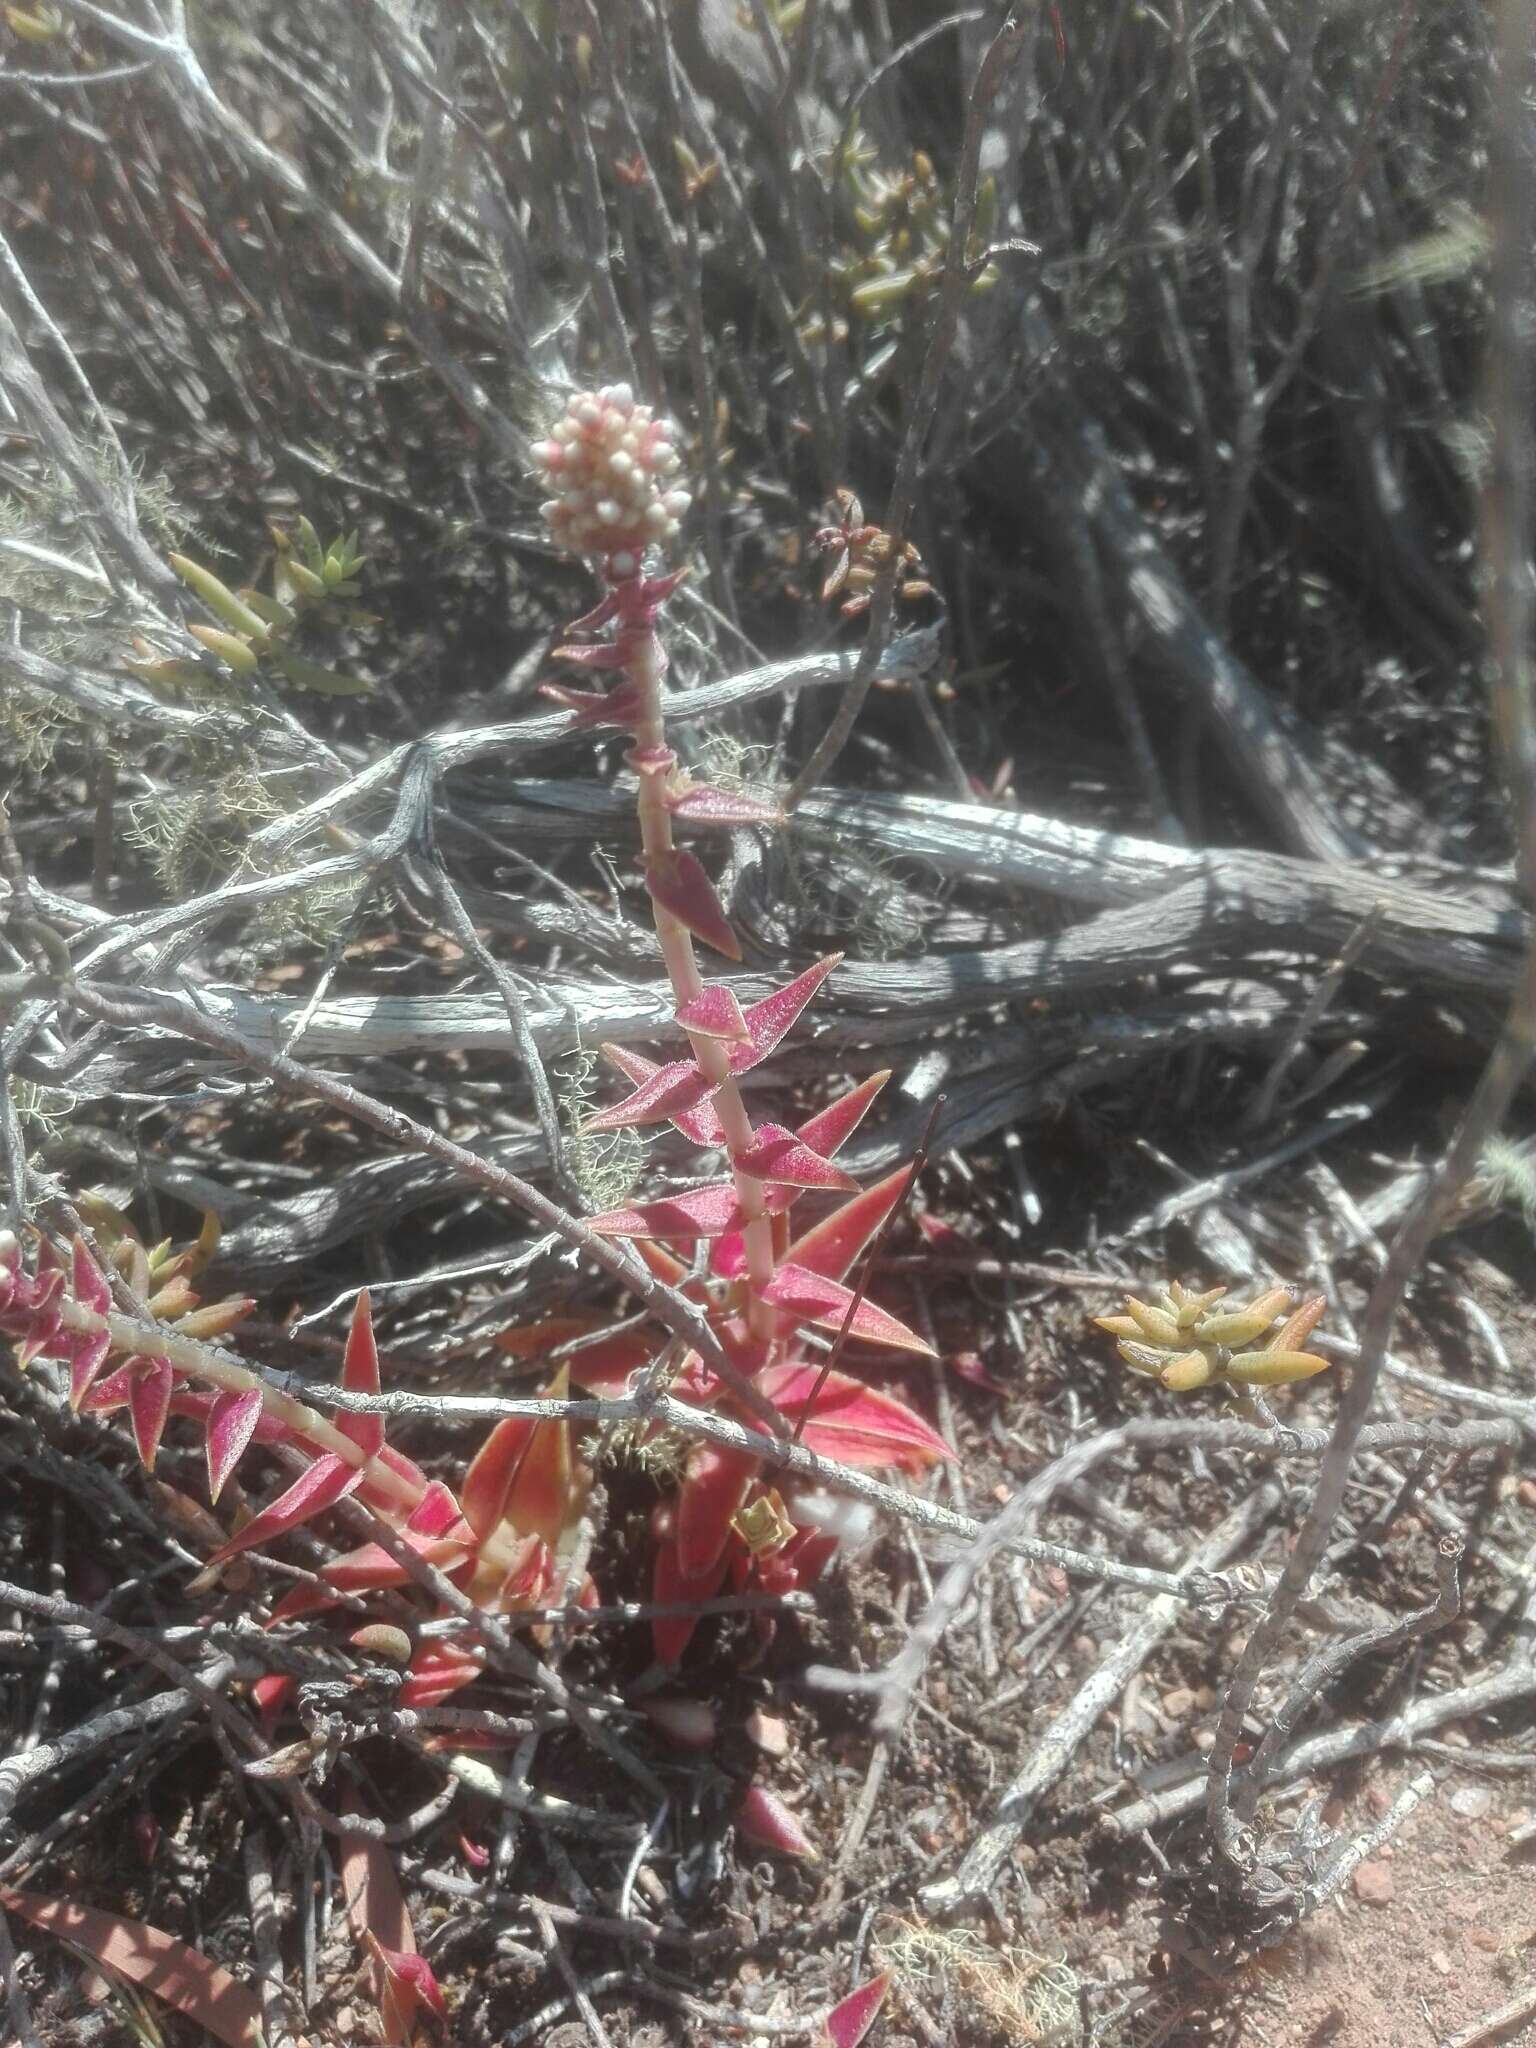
(1185, 1340)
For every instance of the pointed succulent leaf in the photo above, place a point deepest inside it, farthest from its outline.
(408, 1983)
(807, 1297)
(360, 1375)
(1236, 1331)
(767, 1823)
(857, 1424)
(483, 1495)
(618, 706)
(779, 1155)
(218, 597)
(715, 1483)
(1273, 1368)
(88, 1283)
(664, 1095)
(728, 1255)
(543, 1489)
(1189, 1370)
(592, 654)
(319, 1487)
(87, 1355)
(1120, 1326)
(1298, 1327)
(714, 1013)
(677, 883)
(594, 620)
(215, 1318)
(701, 805)
(232, 1422)
(671, 1585)
(1155, 1324)
(702, 1212)
(831, 1128)
(438, 1670)
(700, 1123)
(606, 1367)
(149, 1403)
(831, 1246)
(852, 2017)
(770, 1020)
(220, 2007)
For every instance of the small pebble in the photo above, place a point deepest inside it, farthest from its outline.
(768, 1733)
(1525, 1493)
(1439, 1960)
(1374, 1883)
(1471, 1802)
(1379, 1799)
(1179, 1703)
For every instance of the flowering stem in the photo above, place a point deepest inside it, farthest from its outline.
(644, 670)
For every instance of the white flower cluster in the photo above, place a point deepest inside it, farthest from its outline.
(608, 464)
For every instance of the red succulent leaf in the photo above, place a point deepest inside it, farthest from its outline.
(606, 1367)
(701, 1123)
(218, 2003)
(87, 1283)
(528, 1579)
(618, 706)
(598, 617)
(402, 1980)
(87, 1355)
(437, 1513)
(407, 1984)
(769, 1020)
(831, 1128)
(267, 1697)
(678, 884)
(701, 805)
(670, 1633)
(807, 1297)
(779, 1155)
(767, 1823)
(360, 1375)
(591, 654)
(533, 1340)
(715, 1482)
(483, 1496)
(852, 2017)
(325, 1482)
(149, 1403)
(856, 1424)
(403, 1467)
(438, 1670)
(714, 1013)
(232, 1423)
(668, 1268)
(702, 1212)
(543, 1489)
(662, 1096)
(436, 1531)
(522, 1474)
(728, 1255)
(831, 1246)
